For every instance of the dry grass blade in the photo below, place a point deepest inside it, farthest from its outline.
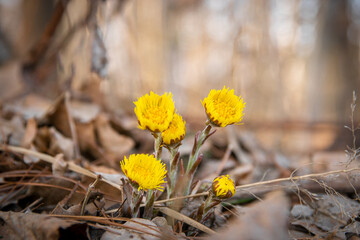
(176, 215)
(50, 159)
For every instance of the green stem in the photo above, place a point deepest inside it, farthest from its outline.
(204, 210)
(174, 160)
(199, 141)
(194, 158)
(157, 145)
(135, 205)
(150, 197)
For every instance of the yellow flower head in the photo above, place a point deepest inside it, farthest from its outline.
(223, 107)
(144, 170)
(223, 187)
(176, 131)
(155, 112)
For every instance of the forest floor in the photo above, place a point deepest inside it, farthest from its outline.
(60, 177)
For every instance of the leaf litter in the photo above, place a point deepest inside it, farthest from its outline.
(80, 133)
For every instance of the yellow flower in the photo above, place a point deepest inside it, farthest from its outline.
(223, 107)
(155, 112)
(176, 131)
(223, 187)
(145, 171)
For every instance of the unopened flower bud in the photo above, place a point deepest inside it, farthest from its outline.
(223, 187)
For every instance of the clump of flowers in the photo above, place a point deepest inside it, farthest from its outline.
(223, 108)
(147, 173)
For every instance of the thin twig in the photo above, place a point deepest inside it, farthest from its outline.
(87, 195)
(47, 158)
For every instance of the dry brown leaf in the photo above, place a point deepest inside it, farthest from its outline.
(87, 140)
(30, 106)
(57, 116)
(110, 140)
(33, 226)
(84, 112)
(12, 131)
(263, 220)
(331, 216)
(51, 141)
(60, 144)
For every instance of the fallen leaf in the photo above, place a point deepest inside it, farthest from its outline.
(30, 106)
(12, 131)
(110, 140)
(33, 226)
(263, 220)
(329, 217)
(60, 144)
(84, 112)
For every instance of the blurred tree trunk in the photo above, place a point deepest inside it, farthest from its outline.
(334, 68)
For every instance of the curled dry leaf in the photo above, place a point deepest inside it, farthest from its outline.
(87, 140)
(110, 140)
(51, 141)
(58, 116)
(60, 144)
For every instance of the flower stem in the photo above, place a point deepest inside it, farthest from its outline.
(195, 158)
(157, 145)
(136, 200)
(206, 206)
(174, 160)
(150, 197)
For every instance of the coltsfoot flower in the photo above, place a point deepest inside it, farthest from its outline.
(145, 171)
(155, 112)
(223, 107)
(223, 187)
(176, 131)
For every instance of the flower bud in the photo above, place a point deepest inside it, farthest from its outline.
(223, 187)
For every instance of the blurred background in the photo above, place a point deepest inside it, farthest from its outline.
(295, 62)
